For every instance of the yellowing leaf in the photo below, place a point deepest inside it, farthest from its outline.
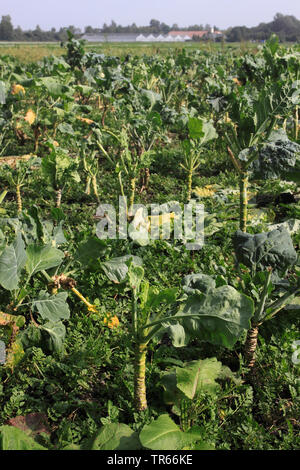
(227, 118)
(207, 191)
(14, 354)
(16, 89)
(92, 308)
(236, 80)
(30, 116)
(111, 322)
(86, 120)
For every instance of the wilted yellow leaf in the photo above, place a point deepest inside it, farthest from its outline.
(111, 321)
(16, 89)
(236, 80)
(30, 116)
(92, 308)
(86, 120)
(207, 191)
(14, 354)
(227, 119)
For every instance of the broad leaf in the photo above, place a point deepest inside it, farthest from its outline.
(115, 436)
(195, 126)
(198, 283)
(12, 261)
(65, 128)
(154, 298)
(135, 276)
(164, 434)
(171, 394)
(178, 334)
(199, 376)
(279, 158)
(40, 258)
(116, 269)
(57, 333)
(54, 87)
(201, 130)
(219, 317)
(57, 236)
(270, 249)
(12, 438)
(151, 96)
(89, 251)
(52, 307)
(194, 378)
(59, 167)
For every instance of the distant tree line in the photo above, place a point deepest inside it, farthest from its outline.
(155, 27)
(286, 27)
(9, 33)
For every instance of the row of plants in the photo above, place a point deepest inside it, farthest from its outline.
(86, 128)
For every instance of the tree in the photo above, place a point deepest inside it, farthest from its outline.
(155, 26)
(278, 16)
(164, 28)
(38, 33)
(6, 29)
(113, 26)
(18, 34)
(72, 29)
(88, 30)
(286, 27)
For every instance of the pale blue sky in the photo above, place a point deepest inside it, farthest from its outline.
(223, 13)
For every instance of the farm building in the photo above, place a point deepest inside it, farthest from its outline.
(172, 36)
(110, 37)
(188, 35)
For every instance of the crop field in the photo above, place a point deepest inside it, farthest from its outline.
(34, 51)
(149, 246)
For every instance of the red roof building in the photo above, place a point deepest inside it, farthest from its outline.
(192, 33)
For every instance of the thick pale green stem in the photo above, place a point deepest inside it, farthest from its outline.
(58, 197)
(190, 179)
(132, 193)
(284, 124)
(88, 186)
(121, 184)
(2, 196)
(296, 123)
(95, 187)
(147, 177)
(19, 198)
(140, 399)
(243, 201)
(250, 346)
(36, 140)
